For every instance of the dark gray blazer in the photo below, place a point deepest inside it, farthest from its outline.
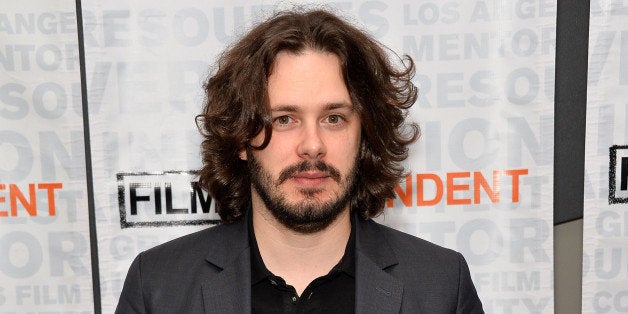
(209, 272)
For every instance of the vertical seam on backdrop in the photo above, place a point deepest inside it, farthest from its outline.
(88, 163)
(570, 74)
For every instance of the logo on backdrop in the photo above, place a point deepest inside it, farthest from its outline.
(460, 188)
(34, 199)
(618, 175)
(169, 198)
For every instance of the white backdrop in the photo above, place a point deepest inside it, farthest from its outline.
(480, 178)
(605, 260)
(45, 262)
(486, 79)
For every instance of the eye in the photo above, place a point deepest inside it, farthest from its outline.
(283, 120)
(334, 119)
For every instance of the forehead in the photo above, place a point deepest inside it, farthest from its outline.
(307, 77)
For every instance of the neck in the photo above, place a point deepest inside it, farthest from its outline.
(297, 257)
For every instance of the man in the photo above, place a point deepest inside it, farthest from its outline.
(304, 135)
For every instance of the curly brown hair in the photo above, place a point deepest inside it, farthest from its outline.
(236, 107)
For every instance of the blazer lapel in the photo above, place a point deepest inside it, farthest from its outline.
(376, 290)
(229, 290)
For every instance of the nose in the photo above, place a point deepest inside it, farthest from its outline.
(312, 145)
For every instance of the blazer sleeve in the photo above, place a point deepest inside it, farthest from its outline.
(131, 298)
(468, 300)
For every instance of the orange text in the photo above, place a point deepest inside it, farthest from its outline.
(450, 186)
(28, 199)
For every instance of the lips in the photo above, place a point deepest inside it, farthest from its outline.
(310, 178)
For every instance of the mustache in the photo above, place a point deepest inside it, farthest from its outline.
(290, 171)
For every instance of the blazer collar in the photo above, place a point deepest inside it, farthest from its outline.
(228, 243)
(372, 242)
(229, 290)
(376, 290)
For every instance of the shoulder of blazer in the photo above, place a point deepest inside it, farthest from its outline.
(218, 245)
(434, 278)
(387, 246)
(201, 272)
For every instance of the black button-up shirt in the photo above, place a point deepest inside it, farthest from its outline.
(332, 293)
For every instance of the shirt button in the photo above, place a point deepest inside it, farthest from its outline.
(294, 299)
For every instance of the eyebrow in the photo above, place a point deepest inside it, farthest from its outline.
(328, 107)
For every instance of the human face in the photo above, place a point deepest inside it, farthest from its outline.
(305, 176)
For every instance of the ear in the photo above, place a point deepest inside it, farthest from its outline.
(242, 154)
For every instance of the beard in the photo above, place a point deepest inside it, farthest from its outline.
(310, 214)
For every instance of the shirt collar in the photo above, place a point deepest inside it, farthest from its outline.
(259, 271)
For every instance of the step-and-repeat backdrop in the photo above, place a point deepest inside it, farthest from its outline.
(480, 178)
(605, 238)
(45, 262)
